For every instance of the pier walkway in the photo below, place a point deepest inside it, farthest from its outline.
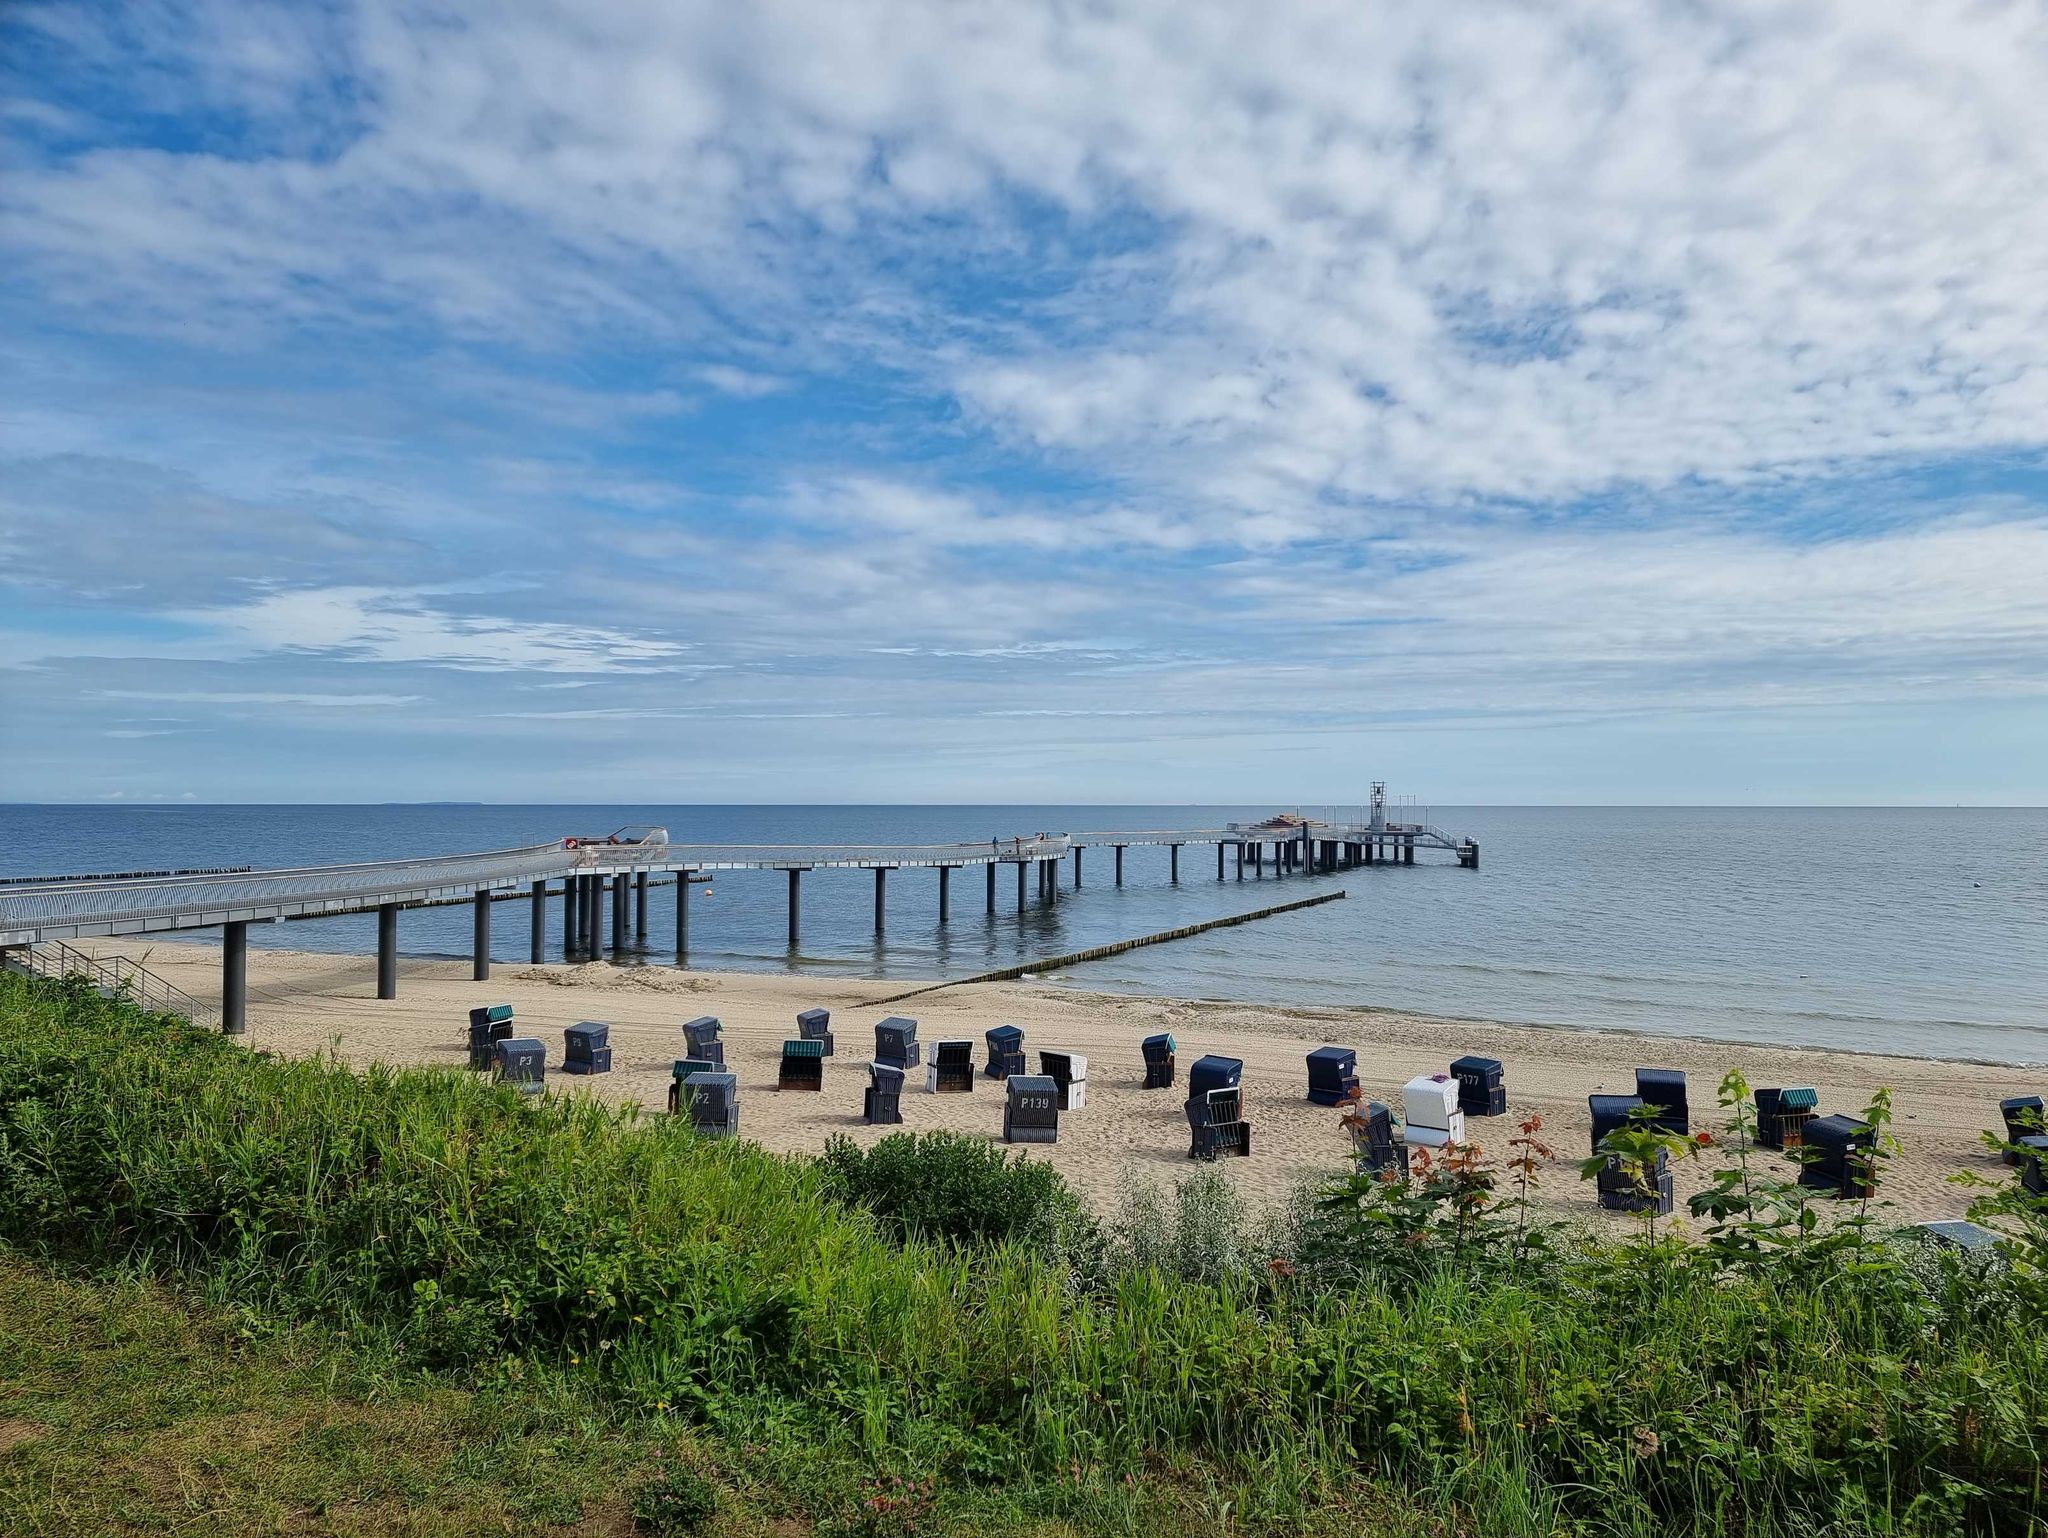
(590, 875)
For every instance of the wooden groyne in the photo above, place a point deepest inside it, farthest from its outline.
(1117, 948)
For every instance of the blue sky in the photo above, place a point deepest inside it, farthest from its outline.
(833, 400)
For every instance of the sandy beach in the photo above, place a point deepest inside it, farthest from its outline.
(303, 1002)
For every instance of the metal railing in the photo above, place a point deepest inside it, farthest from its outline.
(116, 976)
(27, 907)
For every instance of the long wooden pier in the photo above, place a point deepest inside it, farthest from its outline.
(593, 876)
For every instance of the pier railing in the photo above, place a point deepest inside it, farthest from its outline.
(114, 975)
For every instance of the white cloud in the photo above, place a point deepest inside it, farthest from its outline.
(370, 625)
(1387, 250)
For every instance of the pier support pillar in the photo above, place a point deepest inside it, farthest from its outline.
(1219, 859)
(1077, 867)
(945, 893)
(640, 906)
(480, 936)
(1407, 851)
(593, 917)
(1240, 859)
(682, 918)
(881, 892)
(1173, 863)
(570, 913)
(1020, 886)
(1119, 864)
(990, 868)
(1366, 850)
(622, 927)
(387, 950)
(796, 905)
(234, 979)
(537, 927)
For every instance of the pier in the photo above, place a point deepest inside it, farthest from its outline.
(603, 882)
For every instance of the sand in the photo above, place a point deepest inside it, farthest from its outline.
(303, 1003)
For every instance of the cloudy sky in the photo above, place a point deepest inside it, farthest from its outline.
(1584, 400)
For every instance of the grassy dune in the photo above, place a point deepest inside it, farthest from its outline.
(1407, 1360)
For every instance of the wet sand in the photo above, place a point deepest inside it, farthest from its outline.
(301, 1002)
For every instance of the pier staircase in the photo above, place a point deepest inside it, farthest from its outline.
(111, 976)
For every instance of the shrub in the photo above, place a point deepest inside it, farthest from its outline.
(946, 1185)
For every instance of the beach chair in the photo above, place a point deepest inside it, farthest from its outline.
(685, 1066)
(1627, 1185)
(1429, 1105)
(802, 1065)
(1611, 1113)
(1782, 1115)
(1374, 1148)
(816, 1025)
(586, 1048)
(700, 1039)
(1838, 1156)
(1213, 1072)
(1480, 1090)
(521, 1062)
(882, 1102)
(896, 1043)
(1031, 1109)
(2034, 1164)
(2023, 1117)
(1005, 1051)
(1068, 1071)
(489, 1024)
(712, 1102)
(1332, 1075)
(1158, 1052)
(951, 1069)
(1663, 1090)
(1218, 1127)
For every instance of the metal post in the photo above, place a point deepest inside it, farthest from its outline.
(593, 917)
(234, 979)
(1020, 885)
(622, 916)
(387, 950)
(640, 906)
(1119, 864)
(1240, 858)
(570, 913)
(991, 869)
(480, 936)
(1077, 867)
(945, 896)
(682, 918)
(1173, 855)
(1408, 850)
(881, 892)
(537, 950)
(796, 904)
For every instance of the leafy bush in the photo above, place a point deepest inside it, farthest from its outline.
(946, 1185)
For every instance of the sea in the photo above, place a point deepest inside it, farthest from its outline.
(1919, 931)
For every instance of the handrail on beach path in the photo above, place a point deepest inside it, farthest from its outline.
(1096, 953)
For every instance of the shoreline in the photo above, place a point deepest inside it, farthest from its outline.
(2016, 1071)
(302, 1003)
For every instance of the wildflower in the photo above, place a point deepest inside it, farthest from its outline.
(1704, 1139)
(1279, 1265)
(1646, 1442)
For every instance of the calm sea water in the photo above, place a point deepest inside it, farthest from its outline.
(1914, 931)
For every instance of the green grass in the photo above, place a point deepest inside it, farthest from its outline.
(122, 1412)
(1155, 1376)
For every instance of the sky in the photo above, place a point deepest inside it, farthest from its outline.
(931, 400)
